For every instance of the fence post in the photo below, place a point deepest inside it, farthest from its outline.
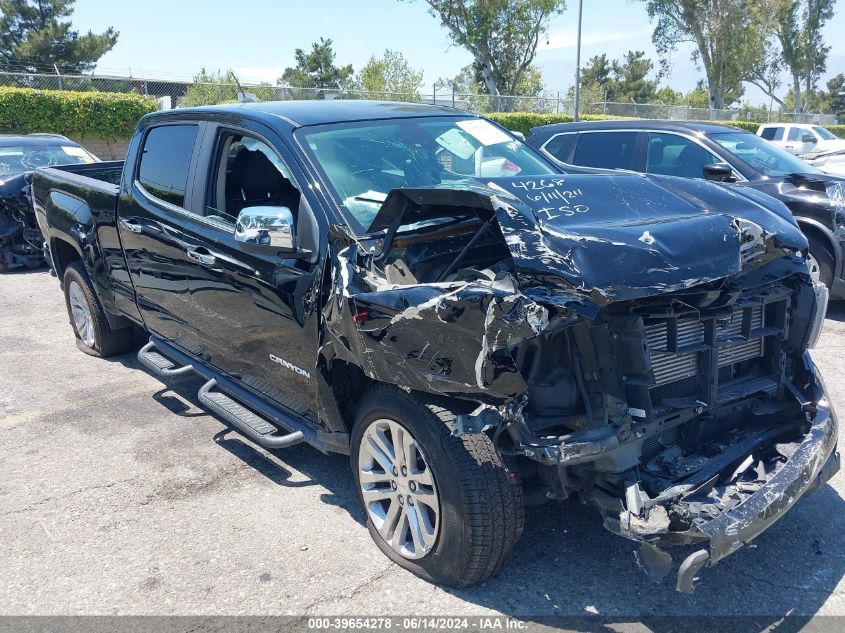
(557, 103)
(453, 95)
(434, 94)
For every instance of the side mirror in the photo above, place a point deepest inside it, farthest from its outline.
(518, 135)
(267, 228)
(719, 172)
(808, 138)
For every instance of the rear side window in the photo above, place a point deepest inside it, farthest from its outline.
(608, 150)
(772, 133)
(165, 160)
(560, 145)
(794, 134)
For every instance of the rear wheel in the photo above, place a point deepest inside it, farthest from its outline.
(446, 508)
(94, 336)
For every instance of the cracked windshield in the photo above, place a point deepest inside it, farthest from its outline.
(363, 162)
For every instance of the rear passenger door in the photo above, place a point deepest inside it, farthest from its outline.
(150, 229)
(608, 149)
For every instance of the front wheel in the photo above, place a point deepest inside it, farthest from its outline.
(445, 508)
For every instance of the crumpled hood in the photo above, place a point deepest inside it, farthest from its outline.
(625, 236)
(612, 237)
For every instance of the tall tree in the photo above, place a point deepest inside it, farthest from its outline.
(623, 80)
(390, 73)
(630, 78)
(836, 95)
(798, 27)
(766, 71)
(729, 36)
(316, 68)
(502, 35)
(37, 36)
(597, 73)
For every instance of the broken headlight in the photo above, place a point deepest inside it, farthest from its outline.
(817, 320)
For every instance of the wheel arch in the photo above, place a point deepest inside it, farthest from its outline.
(811, 227)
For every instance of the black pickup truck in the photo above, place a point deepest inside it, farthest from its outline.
(413, 286)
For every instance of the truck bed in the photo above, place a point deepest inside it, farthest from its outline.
(102, 177)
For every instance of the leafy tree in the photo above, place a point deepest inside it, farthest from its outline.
(597, 71)
(668, 96)
(316, 68)
(469, 88)
(35, 36)
(765, 72)
(729, 36)
(798, 27)
(210, 88)
(698, 97)
(618, 81)
(502, 35)
(835, 98)
(629, 79)
(390, 73)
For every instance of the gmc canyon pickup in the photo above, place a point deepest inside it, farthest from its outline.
(413, 286)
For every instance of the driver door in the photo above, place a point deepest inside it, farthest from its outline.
(256, 308)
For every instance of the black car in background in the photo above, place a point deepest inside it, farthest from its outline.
(20, 238)
(720, 153)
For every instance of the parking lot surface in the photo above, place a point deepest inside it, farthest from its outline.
(119, 495)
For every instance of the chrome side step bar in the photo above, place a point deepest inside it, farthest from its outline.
(254, 427)
(158, 364)
(262, 422)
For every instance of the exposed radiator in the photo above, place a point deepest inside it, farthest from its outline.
(673, 366)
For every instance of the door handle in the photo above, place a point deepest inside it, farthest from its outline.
(206, 259)
(131, 225)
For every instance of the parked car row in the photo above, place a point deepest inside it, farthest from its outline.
(21, 243)
(477, 323)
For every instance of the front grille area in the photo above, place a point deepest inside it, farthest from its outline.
(675, 345)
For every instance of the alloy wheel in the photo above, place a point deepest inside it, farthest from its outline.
(398, 489)
(81, 314)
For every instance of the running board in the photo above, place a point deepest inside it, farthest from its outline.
(253, 426)
(224, 396)
(159, 364)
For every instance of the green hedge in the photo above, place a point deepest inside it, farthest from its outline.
(524, 121)
(839, 130)
(107, 115)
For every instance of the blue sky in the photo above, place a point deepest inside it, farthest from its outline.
(257, 38)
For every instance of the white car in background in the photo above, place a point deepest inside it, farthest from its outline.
(801, 138)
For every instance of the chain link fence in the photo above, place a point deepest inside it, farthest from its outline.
(178, 93)
(688, 113)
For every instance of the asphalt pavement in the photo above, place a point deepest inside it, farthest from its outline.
(120, 495)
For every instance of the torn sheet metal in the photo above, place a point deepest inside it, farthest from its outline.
(446, 338)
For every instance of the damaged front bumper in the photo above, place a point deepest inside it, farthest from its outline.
(814, 461)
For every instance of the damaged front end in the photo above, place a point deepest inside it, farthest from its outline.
(20, 238)
(637, 342)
